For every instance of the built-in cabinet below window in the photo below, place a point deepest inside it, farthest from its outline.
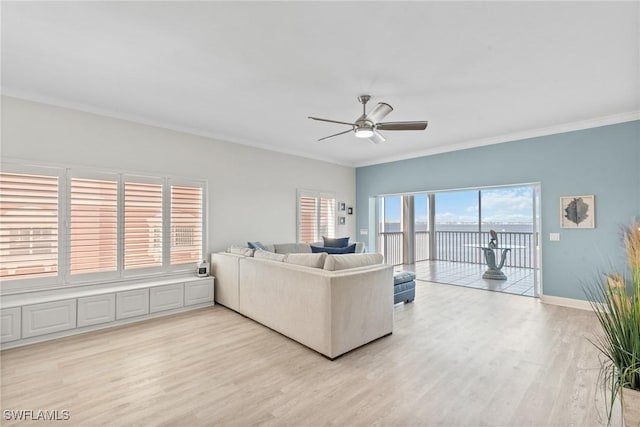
(31, 318)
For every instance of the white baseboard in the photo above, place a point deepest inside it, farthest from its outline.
(566, 302)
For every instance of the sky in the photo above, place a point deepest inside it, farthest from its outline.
(502, 205)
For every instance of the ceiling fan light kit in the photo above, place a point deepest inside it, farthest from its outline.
(364, 132)
(367, 125)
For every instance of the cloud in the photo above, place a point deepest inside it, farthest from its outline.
(513, 199)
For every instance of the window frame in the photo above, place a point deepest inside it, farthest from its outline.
(89, 277)
(64, 278)
(144, 271)
(184, 182)
(317, 195)
(28, 284)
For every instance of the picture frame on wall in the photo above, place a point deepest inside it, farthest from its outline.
(578, 211)
(349, 210)
(342, 220)
(342, 206)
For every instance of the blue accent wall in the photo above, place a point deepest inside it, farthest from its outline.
(603, 161)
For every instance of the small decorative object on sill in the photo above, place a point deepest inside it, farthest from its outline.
(203, 268)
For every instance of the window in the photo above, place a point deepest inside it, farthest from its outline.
(28, 226)
(96, 226)
(390, 214)
(316, 216)
(186, 224)
(142, 224)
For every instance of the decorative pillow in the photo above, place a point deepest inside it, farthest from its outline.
(240, 250)
(344, 262)
(339, 242)
(351, 249)
(256, 245)
(259, 253)
(307, 260)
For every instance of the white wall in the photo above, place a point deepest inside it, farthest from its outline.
(252, 192)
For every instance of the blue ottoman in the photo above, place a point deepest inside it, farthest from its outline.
(404, 286)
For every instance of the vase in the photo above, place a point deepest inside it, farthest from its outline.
(631, 407)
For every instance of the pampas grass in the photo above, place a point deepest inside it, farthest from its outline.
(617, 307)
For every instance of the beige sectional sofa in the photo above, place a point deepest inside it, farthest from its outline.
(333, 308)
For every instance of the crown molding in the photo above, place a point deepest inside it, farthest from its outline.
(474, 143)
(511, 137)
(132, 118)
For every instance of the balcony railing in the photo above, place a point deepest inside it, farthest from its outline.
(391, 244)
(458, 246)
(422, 245)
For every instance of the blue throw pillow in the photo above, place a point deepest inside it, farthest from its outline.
(351, 249)
(340, 242)
(316, 249)
(256, 245)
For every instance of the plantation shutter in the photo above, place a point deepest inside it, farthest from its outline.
(186, 224)
(94, 226)
(28, 226)
(142, 224)
(327, 218)
(316, 216)
(308, 224)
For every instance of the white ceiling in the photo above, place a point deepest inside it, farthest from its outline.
(251, 72)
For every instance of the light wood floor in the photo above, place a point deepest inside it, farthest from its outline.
(457, 357)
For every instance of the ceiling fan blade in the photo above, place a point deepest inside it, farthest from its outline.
(377, 138)
(331, 136)
(331, 121)
(380, 112)
(402, 126)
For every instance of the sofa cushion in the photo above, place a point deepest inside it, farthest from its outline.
(339, 242)
(308, 260)
(351, 249)
(343, 262)
(240, 250)
(259, 253)
(257, 245)
(292, 248)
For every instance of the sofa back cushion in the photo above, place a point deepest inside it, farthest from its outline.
(344, 262)
(259, 253)
(292, 248)
(307, 260)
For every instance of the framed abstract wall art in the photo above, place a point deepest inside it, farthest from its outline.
(577, 212)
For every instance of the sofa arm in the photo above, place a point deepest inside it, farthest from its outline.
(225, 268)
(361, 307)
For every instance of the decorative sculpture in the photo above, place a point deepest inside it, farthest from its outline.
(494, 239)
(494, 272)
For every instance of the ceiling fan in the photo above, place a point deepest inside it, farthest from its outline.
(368, 125)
